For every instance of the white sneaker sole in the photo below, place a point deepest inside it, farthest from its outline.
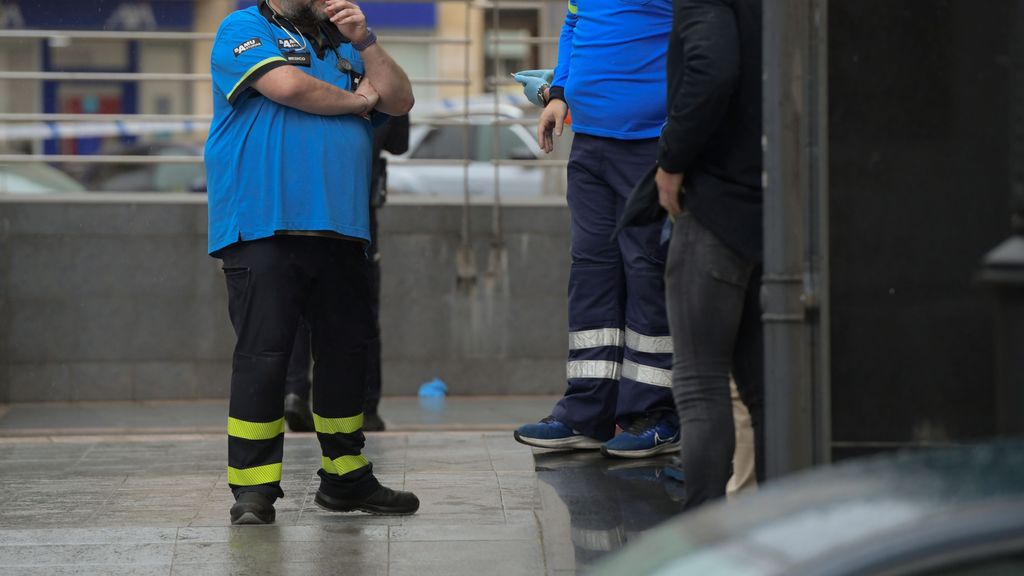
(570, 443)
(660, 449)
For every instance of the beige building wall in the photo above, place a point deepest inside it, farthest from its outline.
(451, 63)
(20, 96)
(208, 16)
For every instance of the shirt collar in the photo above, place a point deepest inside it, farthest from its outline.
(334, 36)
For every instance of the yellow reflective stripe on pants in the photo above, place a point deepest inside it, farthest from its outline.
(255, 430)
(254, 476)
(343, 465)
(337, 425)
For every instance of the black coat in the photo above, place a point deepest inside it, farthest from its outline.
(713, 133)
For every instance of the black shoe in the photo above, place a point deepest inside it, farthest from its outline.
(297, 413)
(384, 502)
(372, 422)
(252, 508)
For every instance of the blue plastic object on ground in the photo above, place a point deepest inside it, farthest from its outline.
(433, 389)
(432, 400)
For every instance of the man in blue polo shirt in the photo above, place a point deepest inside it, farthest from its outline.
(296, 85)
(611, 74)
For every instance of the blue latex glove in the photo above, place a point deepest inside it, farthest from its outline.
(434, 388)
(534, 82)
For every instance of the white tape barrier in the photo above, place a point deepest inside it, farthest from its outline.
(48, 130)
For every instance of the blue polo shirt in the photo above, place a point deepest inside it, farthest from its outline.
(612, 66)
(271, 167)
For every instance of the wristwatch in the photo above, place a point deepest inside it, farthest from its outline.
(540, 94)
(370, 40)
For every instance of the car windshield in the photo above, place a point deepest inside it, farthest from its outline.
(446, 143)
(35, 179)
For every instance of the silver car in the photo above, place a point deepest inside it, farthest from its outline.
(433, 164)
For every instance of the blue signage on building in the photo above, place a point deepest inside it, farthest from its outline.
(98, 14)
(389, 14)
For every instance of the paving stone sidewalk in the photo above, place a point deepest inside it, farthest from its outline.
(159, 505)
(141, 489)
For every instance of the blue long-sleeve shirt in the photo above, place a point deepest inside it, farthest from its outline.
(611, 65)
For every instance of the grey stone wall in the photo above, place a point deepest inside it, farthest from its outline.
(114, 298)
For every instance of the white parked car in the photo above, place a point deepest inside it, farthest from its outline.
(442, 137)
(35, 179)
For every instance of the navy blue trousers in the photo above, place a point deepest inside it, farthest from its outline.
(620, 351)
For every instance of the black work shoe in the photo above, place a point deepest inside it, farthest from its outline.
(384, 502)
(373, 423)
(252, 508)
(297, 413)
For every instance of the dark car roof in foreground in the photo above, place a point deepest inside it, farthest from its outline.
(829, 520)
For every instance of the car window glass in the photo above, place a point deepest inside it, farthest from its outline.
(510, 144)
(97, 176)
(442, 143)
(177, 177)
(139, 179)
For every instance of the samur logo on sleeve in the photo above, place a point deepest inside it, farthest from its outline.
(247, 45)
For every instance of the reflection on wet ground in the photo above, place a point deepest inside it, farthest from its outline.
(158, 504)
(592, 506)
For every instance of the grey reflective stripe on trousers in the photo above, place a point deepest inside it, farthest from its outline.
(598, 338)
(603, 369)
(647, 374)
(648, 344)
(598, 540)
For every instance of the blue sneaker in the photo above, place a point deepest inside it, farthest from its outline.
(644, 437)
(550, 433)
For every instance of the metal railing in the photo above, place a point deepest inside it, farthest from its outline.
(161, 77)
(469, 41)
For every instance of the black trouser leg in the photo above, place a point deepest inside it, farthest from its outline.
(714, 316)
(338, 313)
(266, 295)
(373, 369)
(297, 381)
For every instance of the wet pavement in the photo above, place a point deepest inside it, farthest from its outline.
(402, 414)
(157, 503)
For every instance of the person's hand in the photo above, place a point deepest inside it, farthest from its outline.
(670, 186)
(552, 119)
(535, 81)
(349, 19)
(367, 90)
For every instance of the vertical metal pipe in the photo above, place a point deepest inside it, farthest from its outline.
(818, 257)
(497, 240)
(795, 121)
(465, 272)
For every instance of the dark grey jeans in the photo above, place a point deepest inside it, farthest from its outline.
(713, 301)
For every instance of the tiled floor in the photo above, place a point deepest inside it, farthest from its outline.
(158, 504)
